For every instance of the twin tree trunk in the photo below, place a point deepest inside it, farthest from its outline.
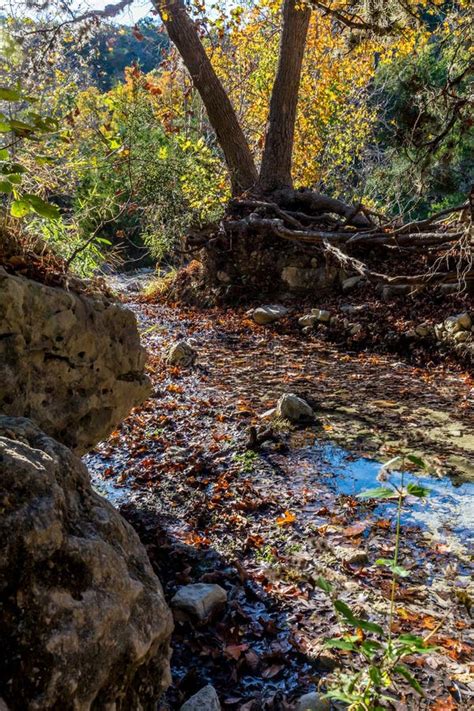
(275, 172)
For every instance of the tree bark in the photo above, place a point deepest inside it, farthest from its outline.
(183, 33)
(275, 171)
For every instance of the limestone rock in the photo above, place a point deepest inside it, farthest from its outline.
(181, 353)
(312, 702)
(84, 620)
(199, 599)
(72, 363)
(205, 700)
(264, 315)
(294, 408)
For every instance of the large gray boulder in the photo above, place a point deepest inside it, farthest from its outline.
(72, 363)
(83, 621)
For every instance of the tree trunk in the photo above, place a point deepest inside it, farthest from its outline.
(275, 171)
(183, 33)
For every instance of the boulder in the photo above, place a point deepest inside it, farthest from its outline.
(294, 408)
(72, 363)
(264, 315)
(83, 620)
(312, 702)
(181, 353)
(199, 599)
(205, 700)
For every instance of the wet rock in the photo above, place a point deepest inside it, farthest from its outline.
(294, 408)
(84, 618)
(351, 283)
(199, 599)
(312, 702)
(181, 353)
(205, 700)
(352, 309)
(72, 363)
(264, 315)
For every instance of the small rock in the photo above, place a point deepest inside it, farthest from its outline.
(353, 556)
(321, 315)
(422, 331)
(199, 599)
(350, 283)
(181, 353)
(308, 321)
(460, 322)
(223, 277)
(268, 414)
(269, 313)
(394, 292)
(294, 408)
(353, 309)
(312, 702)
(355, 329)
(462, 336)
(205, 700)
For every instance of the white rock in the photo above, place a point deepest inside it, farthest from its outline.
(181, 353)
(312, 702)
(462, 336)
(321, 315)
(199, 599)
(269, 313)
(308, 320)
(294, 408)
(269, 414)
(205, 700)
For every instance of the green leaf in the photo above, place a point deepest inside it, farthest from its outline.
(3, 154)
(391, 565)
(7, 94)
(401, 669)
(416, 460)
(14, 178)
(344, 610)
(368, 626)
(375, 675)
(20, 208)
(417, 490)
(51, 212)
(382, 492)
(13, 168)
(5, 186)
(335, 643)
(324, 585)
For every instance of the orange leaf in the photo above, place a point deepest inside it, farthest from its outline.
(286, 519)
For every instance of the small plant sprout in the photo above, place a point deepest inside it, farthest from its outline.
(381, 654)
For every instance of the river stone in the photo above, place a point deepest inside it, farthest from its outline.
(205, 700)
(312, 702)
(461, 322)
(294, 408)
(308, 321)
(264, 315)
(422, 331)
(199, 599)
(84, 623)
(351, 283)
(462, 336)
(321, 315)
(181, 353)
(72, 363)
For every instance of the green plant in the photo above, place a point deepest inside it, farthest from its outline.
(380, 653)
(246, 460)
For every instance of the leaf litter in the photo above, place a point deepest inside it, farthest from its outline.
(267, 524)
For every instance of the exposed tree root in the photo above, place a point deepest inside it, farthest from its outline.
(349, 233)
